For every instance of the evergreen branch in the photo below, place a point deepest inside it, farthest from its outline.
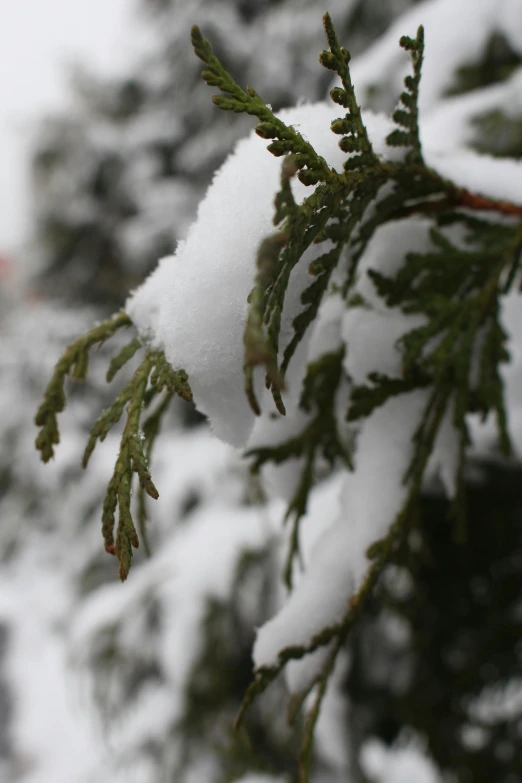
(319, 437)
(305, 224)
(297, 508)
(259, 347)
(305, 751)
(406, 116)
(354, 134)
(133, 458)
(104, 423)
(312, 167)
(265, 675)
(423, 191)
(74, 362)
(164, 377)
(457, 289)
(130, 458)
(124, 356)
(277, 256)
(379, 553)
(151, 429)
(305, 227)
(482, 203)
(365, 399)
(312, 296)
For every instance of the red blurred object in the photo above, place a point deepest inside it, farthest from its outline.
(6, 267)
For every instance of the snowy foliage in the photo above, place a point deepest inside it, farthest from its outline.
(177, 311)
(67, 611)
(143, 646)
(177, 308)
(117, 179)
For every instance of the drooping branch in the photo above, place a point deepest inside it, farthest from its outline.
(73, 362)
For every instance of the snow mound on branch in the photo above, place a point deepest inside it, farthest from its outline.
(452, 119)
(497, 178)
(194, 305)
(457, 33)
(271, 429)
(374, 494)
(370, 499)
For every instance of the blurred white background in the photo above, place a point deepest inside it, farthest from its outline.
(39, 38)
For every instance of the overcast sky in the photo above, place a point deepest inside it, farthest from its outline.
(39, 39)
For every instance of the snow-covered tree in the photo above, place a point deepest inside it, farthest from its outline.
(374, 331)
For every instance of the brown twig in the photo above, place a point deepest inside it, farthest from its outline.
(477, 202)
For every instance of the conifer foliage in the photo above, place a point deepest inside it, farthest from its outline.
(117, 178)
(447, 297)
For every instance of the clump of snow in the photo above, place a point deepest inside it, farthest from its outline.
(385, 253)
(194, 305)
(326, 334)
(272, 429)
(456, 33)
(372, 341)
(450, 122)
(498, 179)
(338, 562)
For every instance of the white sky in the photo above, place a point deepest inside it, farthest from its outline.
(39, 39)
